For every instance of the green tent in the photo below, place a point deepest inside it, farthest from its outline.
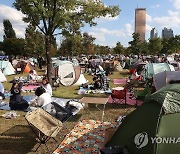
(153, 68)
(154, 126)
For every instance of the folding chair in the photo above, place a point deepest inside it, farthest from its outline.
(119, 96)
(43, 125)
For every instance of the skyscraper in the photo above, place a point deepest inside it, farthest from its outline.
(167, 33)
(140, 22)
(153, 33)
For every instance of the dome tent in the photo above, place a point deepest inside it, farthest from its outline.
(158, 118)
(24, 65)
(2, 77)
(153, 68)
(66, 72)
(7, 68)
(81, 80)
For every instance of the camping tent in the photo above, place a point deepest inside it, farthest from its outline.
(153, 68)
(33, 61)
(154, 126)
(2, 77)
(118, 67)
(24, 65)
(67, 73)
(163, 78)
(6, 68)
(81, 80)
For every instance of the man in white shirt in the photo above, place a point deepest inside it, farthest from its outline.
(43, 98)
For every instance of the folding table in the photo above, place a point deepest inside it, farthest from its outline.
(97, 101)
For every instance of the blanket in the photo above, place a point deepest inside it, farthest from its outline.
(120, 81)
(87, 136)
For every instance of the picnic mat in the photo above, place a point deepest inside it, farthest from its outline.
(120, 81)
(29, 88)
(129, 101)
(87, 137)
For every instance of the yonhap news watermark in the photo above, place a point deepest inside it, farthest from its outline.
(142, 139)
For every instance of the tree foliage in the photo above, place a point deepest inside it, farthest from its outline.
(67, 15)
(34, 41)
(71, 45)
(119, 49)
(8, 29)
(14, 46)
(135, 44)
(155, 46)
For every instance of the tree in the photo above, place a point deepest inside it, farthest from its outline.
(67, 15)
(1, 46)
(119, 49)
(14, 46)
(155, 46)
(144, 48)
(71, 45)
(135, 44)
(34, 41)
(88, 47)
(174, 43)
(8, 30)
(99, 49)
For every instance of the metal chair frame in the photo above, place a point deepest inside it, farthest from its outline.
(41, 137)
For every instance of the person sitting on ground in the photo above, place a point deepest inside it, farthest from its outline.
(33, 77)
(46, 85)
(135, 75)
(106, 81)
(2, 91)
(97, 83)
(43, 97)
(16, 100)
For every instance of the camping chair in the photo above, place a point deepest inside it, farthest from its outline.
(119, 96)
(43, 125)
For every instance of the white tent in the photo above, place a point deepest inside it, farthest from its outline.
(6, 68)
(67, 73)
(2, 77)
(119, 67)
(81, 80)
(163, 78)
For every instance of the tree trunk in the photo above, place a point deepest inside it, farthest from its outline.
(48, 58)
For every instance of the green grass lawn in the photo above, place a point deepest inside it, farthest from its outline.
(16, 136)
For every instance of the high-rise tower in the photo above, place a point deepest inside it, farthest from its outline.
(140, 22)
(153, 33)
(167, 33)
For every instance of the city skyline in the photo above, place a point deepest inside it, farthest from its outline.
(109, 31)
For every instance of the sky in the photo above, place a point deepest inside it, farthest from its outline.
(109, 31)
